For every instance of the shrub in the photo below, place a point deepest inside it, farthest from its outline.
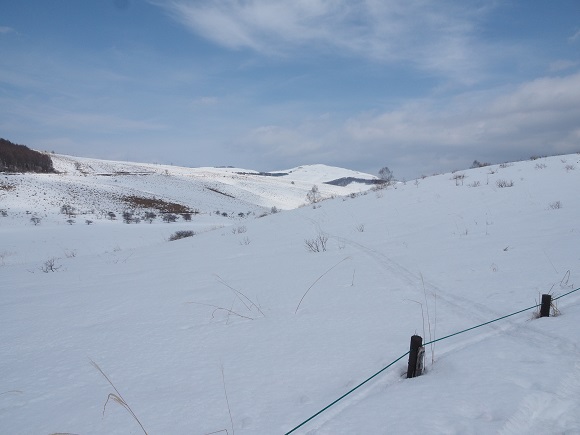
(186, 217)
(35, 220)
(169, 217)
(477, 164)
(111, 215)
(127, 217)
(50, 265)
(541, 166)
(181, 235)
(239, 230)
(504, 183)
(381, 186)
(556, 205)
(458, 178)
(569, 168)
(317, 244)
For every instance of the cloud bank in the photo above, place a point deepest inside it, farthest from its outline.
(430, 135)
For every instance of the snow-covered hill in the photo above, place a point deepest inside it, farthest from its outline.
(99, 186)
(242, 329)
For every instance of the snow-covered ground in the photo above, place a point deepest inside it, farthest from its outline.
(240, 329)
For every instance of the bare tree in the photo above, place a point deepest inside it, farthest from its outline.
(67, 209)
(150, 216)
(386, 175)
(169, 217)
(313, 195)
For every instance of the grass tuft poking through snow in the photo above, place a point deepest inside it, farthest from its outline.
(117, 397)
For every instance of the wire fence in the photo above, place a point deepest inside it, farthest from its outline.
(407, 353)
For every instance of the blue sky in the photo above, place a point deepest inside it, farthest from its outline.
(419, 86)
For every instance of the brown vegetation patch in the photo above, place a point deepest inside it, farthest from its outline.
(157, 204)
(7, 186)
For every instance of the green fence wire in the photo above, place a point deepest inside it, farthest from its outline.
(407, 353)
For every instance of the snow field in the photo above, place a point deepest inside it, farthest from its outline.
(164, 319)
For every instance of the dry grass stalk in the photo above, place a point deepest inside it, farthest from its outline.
(217, 308)
(431, 338)
(240, 295)
(317, 279)
(117, 397)
(227, 400)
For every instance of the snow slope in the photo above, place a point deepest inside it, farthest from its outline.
(242, 329)
(230, 190)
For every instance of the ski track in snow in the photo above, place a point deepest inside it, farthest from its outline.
(531, 417)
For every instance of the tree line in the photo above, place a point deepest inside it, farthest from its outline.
(20, 158)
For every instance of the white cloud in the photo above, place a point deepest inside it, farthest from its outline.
(5, 29)
(546, 109)
(429, 135)
(438, 37)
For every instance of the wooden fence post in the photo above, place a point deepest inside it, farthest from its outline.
(416, 354)
(546, 304)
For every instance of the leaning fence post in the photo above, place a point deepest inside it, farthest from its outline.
(416, 354)
(546, 304)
